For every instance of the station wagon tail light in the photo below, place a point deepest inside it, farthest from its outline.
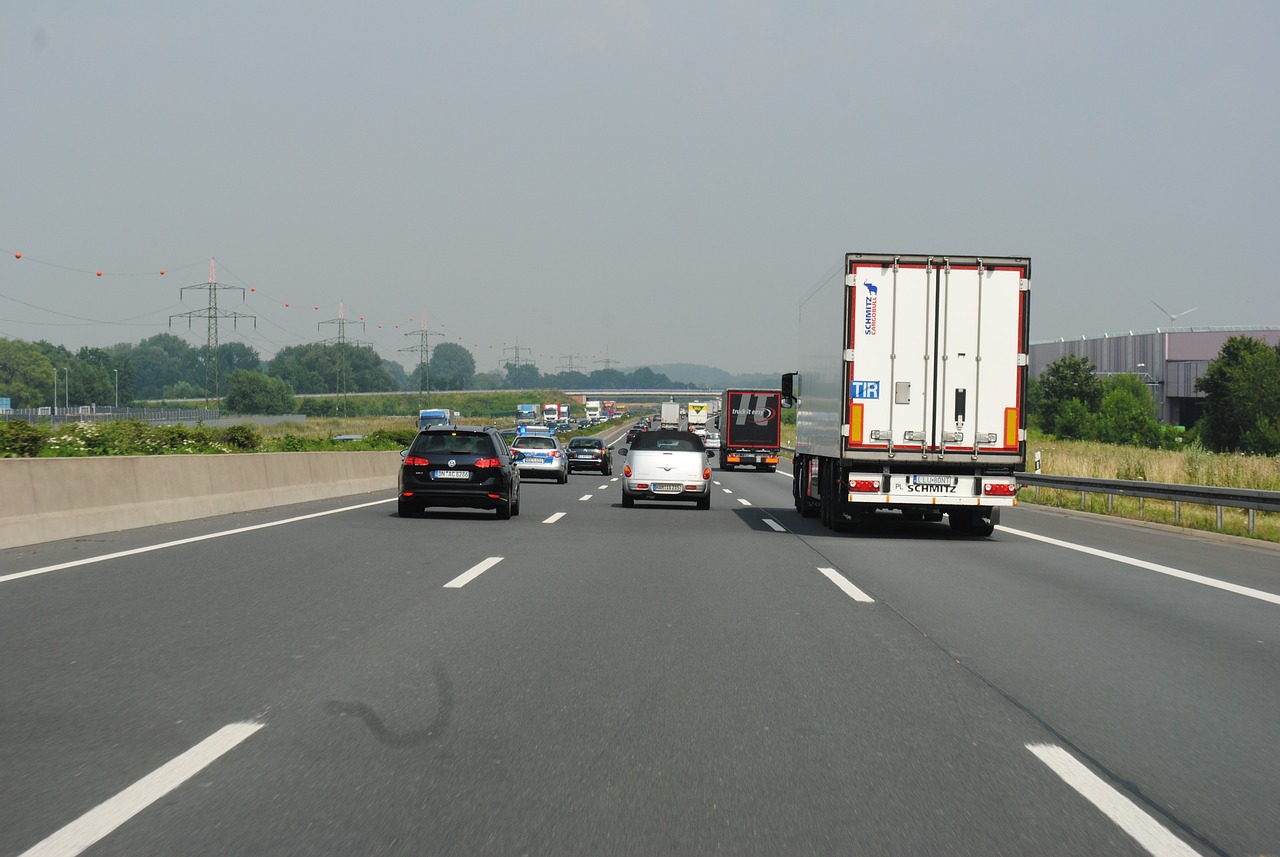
(416, 461)
(482, 463)
(868, 486)
(1000, 489)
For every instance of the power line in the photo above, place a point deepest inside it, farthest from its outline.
(212, 314)
(341, 341)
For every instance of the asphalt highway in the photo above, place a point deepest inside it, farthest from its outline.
(586, 679)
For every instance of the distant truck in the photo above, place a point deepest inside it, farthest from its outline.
(550, 413)
(750, 424)
(670, 415)
(911, 391)
(591, 410)
(429, 417)
(527, 415)
(608, 408)
(698, 413)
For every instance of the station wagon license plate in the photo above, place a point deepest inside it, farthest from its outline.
(451, 474)
(588, 457)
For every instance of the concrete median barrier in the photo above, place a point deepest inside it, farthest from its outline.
(46, 499)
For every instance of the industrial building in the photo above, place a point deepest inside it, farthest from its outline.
(1168, 360)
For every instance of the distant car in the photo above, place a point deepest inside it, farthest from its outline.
(712, 440)
(589, 453)
(666, 465)
(459, 466)
(543, 456)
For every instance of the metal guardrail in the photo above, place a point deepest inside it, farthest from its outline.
(1250, 499)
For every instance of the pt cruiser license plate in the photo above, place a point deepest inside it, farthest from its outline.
(667, 486)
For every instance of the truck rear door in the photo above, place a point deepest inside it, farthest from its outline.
(938, 350)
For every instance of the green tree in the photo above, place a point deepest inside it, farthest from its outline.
(1074, 422)
(523, 377)
(331, 368)
(162, 361)
(487, 381)
(1127, 414)
(1069, 377)
(256, 393)
(1242, 398)
(26, 374)
(452, 367)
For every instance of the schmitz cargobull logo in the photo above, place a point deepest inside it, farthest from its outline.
(869, 309)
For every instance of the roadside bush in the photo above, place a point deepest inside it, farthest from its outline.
(392, 438)
(20, 439)
(243, 437)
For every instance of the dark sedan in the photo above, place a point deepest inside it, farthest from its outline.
(589, 453)
(459, 466)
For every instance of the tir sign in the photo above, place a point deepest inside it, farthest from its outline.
(864, 389)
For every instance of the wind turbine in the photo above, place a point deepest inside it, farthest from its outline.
(1174, 316)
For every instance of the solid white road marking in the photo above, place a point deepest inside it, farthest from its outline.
(1150, 566)
(1124, 812)
(584, 497)
(472, 573)
(846, 587)
(744, 502)
(106, 817)
(557, 516)
(774, 525)
(192, 540)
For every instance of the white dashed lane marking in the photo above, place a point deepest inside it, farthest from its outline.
(846, 587)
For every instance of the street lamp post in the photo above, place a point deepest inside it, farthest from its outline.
(117, 371)
(66, 390)
(53, 416)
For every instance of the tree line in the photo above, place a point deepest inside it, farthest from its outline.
(166, 367)
(1241, 406)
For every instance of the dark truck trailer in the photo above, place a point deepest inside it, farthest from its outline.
(750, 423)
(912, 388)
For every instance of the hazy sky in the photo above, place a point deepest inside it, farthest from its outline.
(658, 182)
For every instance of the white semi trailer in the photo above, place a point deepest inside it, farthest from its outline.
(911, 390)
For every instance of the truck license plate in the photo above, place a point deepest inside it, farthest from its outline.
(932, 479)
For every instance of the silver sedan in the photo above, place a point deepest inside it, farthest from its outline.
(543, 456)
